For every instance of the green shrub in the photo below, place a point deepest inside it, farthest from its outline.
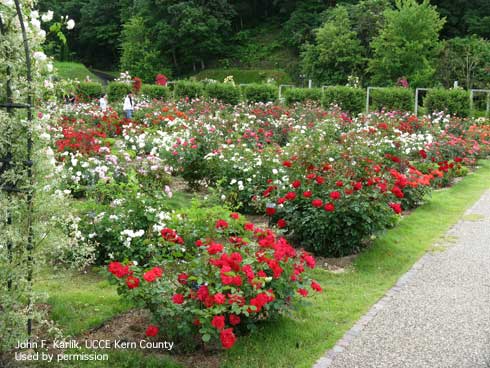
(225, 92)
(189, 89)
(348, 98)
(89, 90)
(155, 91)
(452, 101)
(392, 98)
(260, 92)
(293, 95)
(117, 90)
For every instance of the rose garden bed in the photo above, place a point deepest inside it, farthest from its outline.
(325, 182)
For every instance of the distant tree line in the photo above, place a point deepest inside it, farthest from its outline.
(377, 41)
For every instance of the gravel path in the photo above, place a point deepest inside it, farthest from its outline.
(438, 314)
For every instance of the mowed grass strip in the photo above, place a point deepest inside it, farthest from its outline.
(300, 340)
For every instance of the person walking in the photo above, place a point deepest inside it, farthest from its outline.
(103, 103)
(128, 105)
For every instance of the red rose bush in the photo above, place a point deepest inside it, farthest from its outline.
(230, 284)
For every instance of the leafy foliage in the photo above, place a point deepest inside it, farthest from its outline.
(408, 44)
(348, 98)
(336, 53)
(453, 101)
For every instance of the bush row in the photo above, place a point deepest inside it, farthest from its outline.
(352, 100)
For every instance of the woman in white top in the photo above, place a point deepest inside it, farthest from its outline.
(128, 105)
(103, 103)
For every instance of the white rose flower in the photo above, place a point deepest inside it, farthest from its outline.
(39, 55)
(47, 17)
(70, 24)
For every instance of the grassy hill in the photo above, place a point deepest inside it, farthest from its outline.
(73, 70)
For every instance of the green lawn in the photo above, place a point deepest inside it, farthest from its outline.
(72, 70)
(79, 302)
(301, 338)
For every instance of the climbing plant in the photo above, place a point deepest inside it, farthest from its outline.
(27, 202)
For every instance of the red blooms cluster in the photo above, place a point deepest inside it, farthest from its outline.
(244, 282)
(171, 235)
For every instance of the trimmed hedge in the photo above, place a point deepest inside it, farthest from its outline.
(452, 101)
(89, 90)
(392, 98)
(348, 98)
(154, 91)
(225, 92)
(293, 95)
(259, 92)
(116, 91)
(189, 89)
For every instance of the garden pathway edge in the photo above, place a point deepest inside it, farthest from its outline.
(437, 314)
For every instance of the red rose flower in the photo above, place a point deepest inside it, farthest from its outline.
(335, 195)
(329, 207)
(221, 224)
(307, 194)
(215, 248)
(458, 159)
(182, 278)
(303, 292)
(227, 338)
(199, 243)
(423, 154)
(357, 186)
(317, 203)
(396, 207)
(248, 226)
(281, 200)
(281, 223)
(339, 184)
(270, 211)
(397, 192)
(290, 196)
(149, 276)
(287, 164)
(219, 298)
(118, 270)
(202, 293)
(234, 319)
(316, 286)
(151, 331)
(132, 282)
(234, 215)
(177, 299)
(218, 322)
(320, 180)
(296, 184)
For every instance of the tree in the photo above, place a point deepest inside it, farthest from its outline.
(138, 55)
(408, 44)
(101, 24)
(336, 53)
(466, 60)
(367, 18)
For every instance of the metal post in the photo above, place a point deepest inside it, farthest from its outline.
(367, 99)
(471, 103)
(416, 107)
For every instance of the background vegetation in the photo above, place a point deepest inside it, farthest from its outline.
(379, 41)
